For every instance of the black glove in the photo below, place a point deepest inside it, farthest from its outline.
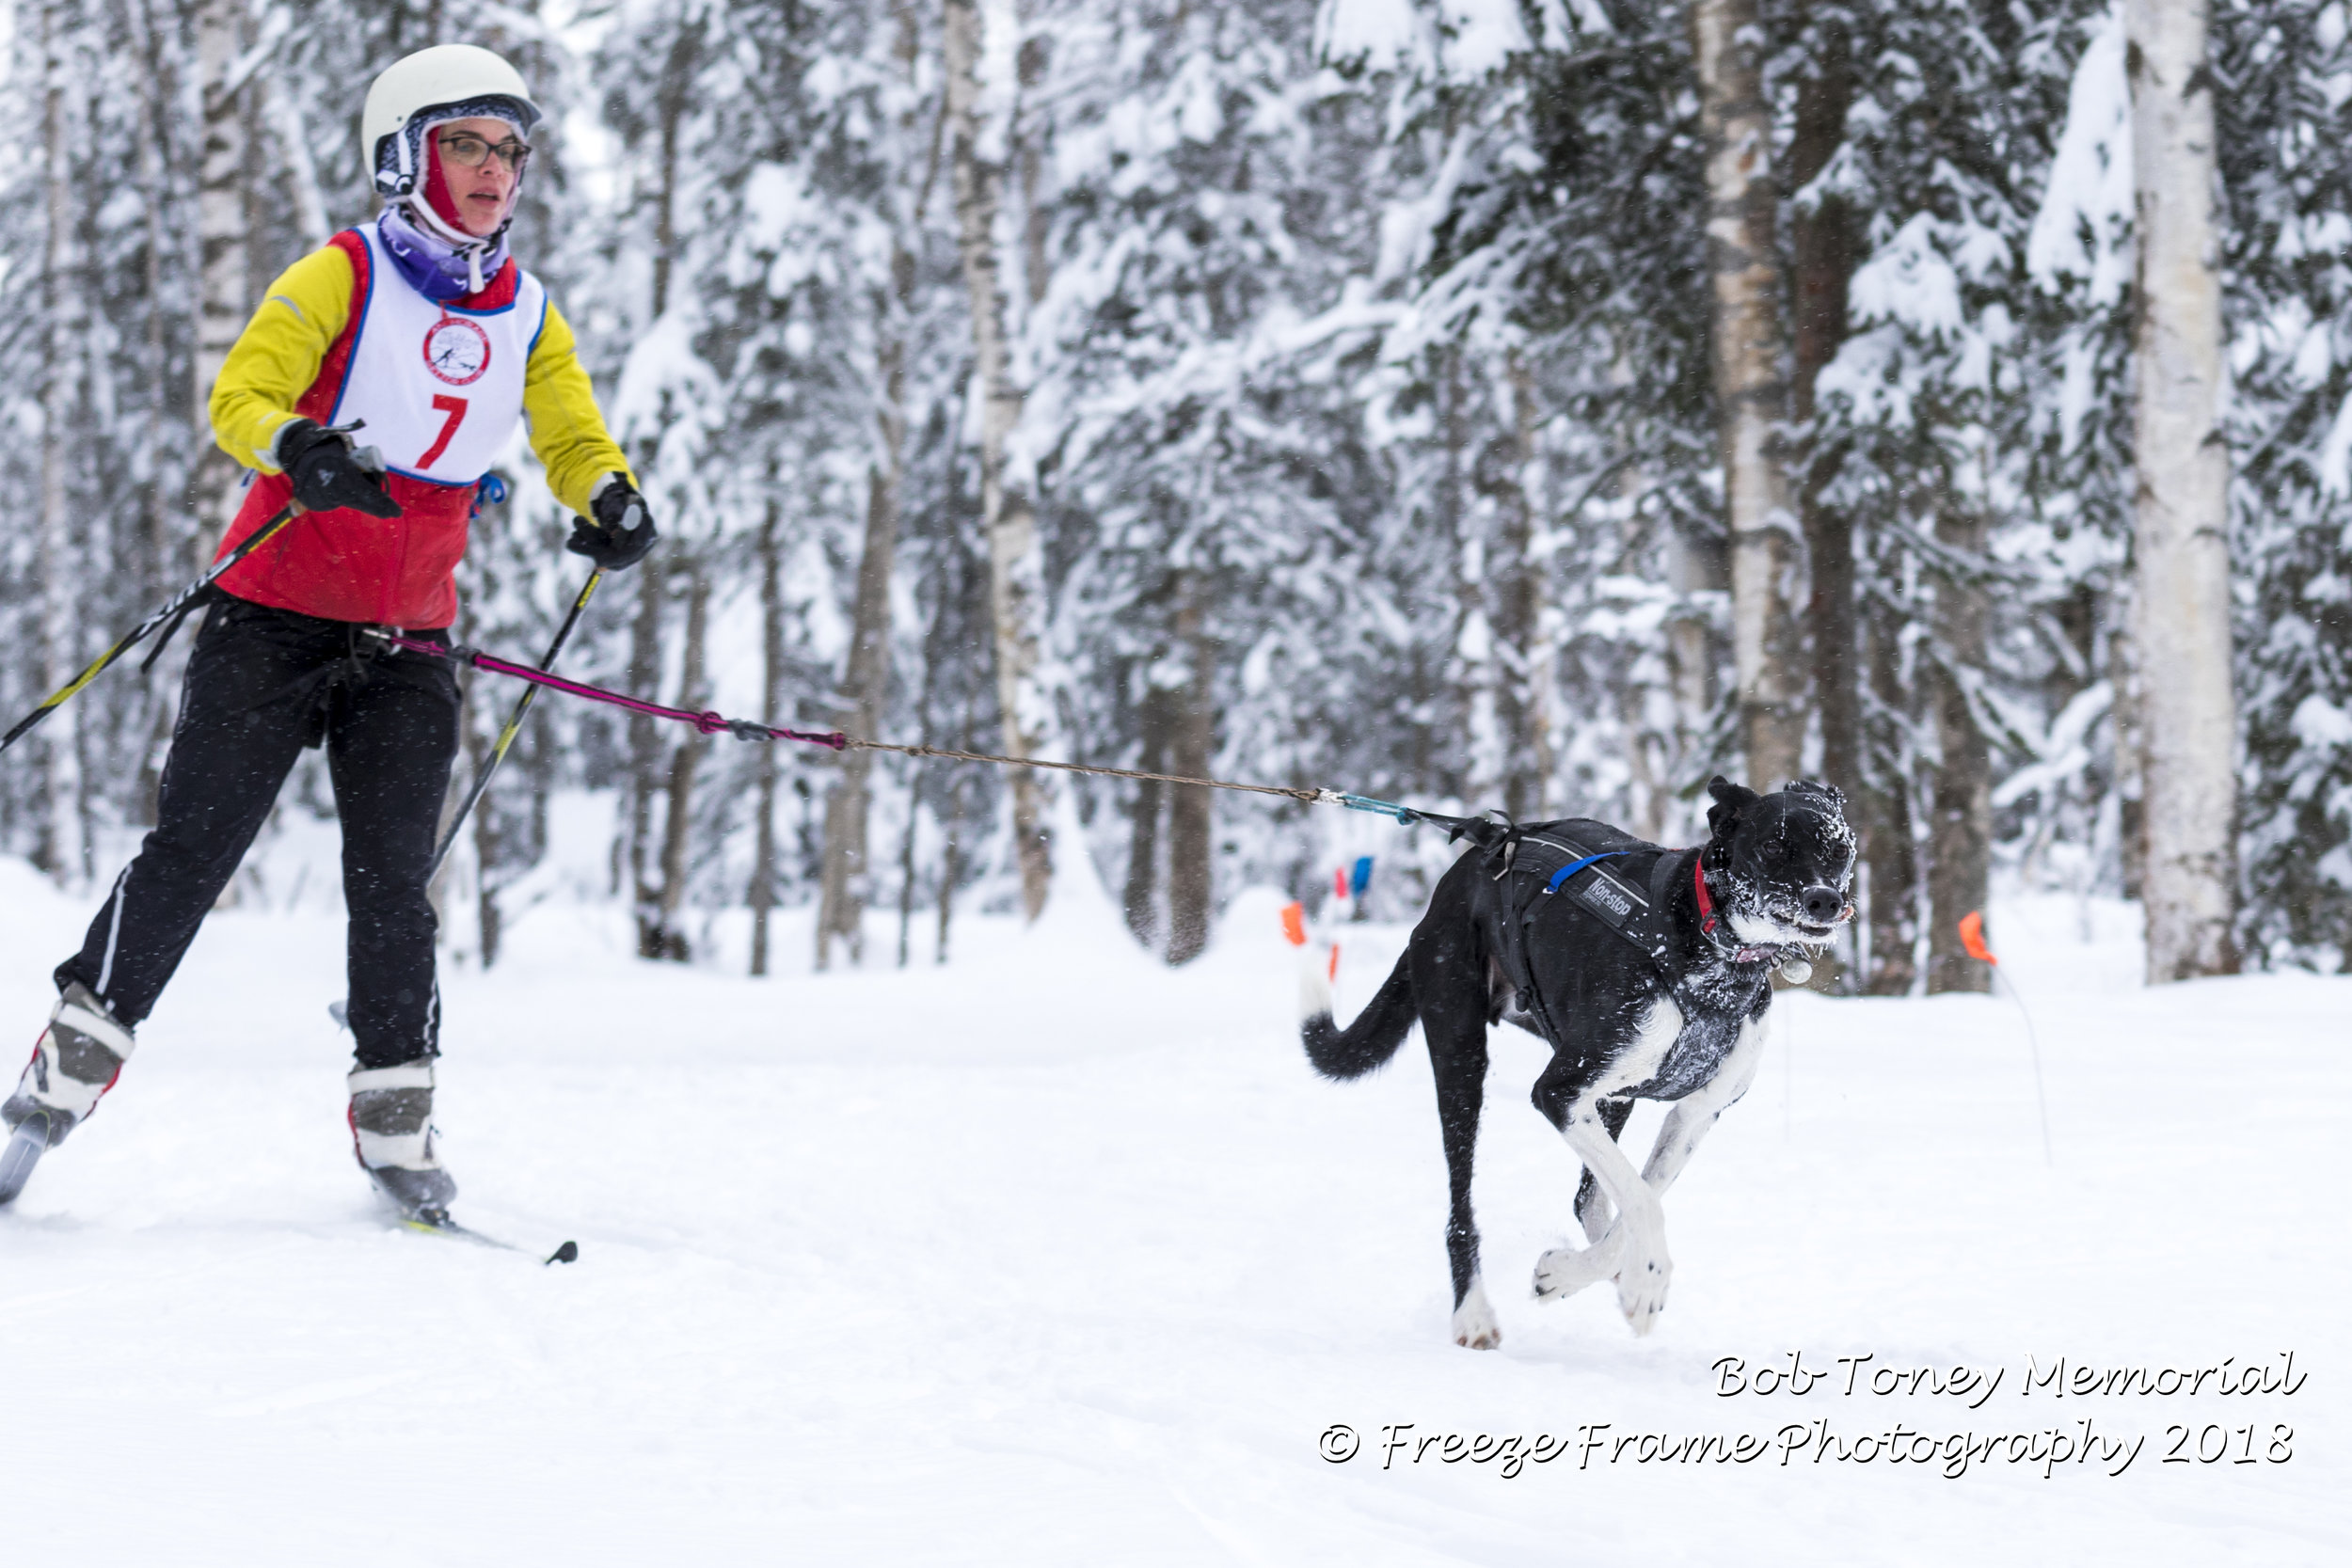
(328, 475)
(623, 533)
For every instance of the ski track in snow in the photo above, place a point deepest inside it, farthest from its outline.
(1054, 1257)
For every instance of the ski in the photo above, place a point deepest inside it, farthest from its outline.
(25, 1147)
(434, 1222)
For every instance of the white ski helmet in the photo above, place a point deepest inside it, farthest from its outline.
(450, 81)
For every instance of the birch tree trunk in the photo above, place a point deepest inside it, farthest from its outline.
(220, 225)
(2181, 510)
(161, 497)
(284, 119)
(978, 46)
(1751, 344)
(57, 848)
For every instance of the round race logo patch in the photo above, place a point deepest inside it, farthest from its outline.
(456, 351)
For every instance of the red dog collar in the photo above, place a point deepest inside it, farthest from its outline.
(1707, 922)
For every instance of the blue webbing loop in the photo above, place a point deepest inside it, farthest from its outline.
(1573, 866)
(489, 490)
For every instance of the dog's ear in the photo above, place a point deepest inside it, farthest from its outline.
(1731, 800)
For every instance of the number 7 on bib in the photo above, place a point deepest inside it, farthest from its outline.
(455, 410)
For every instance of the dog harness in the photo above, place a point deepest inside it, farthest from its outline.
(1625, 884)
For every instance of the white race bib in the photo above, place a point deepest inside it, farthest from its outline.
(440, 388)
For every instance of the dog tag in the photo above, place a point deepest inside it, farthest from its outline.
(1796, 971)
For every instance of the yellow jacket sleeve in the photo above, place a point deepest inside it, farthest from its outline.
(566, 431)
(277, 356)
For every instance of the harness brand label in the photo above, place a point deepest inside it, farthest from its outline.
(1606, 899)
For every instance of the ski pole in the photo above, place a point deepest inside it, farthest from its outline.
(514, 726)
(180, 602)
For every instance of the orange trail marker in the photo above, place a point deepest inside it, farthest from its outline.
(1972, 937)
(1295, 924)
(1335, 961)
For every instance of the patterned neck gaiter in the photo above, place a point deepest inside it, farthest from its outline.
(439, 260)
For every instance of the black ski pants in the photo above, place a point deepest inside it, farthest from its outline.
(262, 684)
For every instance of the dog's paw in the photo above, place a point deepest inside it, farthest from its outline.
(1642, 1290)
(1475, 1326)
(1564, 1271)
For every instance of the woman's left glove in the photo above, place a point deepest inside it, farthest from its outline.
(622, 531)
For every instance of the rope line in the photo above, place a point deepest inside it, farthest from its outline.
(1310, 796)
(745, 729)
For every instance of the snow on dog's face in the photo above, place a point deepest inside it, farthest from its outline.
(1786, 860)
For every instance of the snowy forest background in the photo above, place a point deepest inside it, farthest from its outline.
(1338, 411)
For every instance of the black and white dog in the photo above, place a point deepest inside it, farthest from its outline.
(1647, 971)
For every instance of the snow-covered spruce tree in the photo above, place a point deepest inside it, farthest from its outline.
(1922, 450)
(2284, 115)
(1546, 362)
(877, 162)
(1189, 475)
(780, 267)
(95, 398)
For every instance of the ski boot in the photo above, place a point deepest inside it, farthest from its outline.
(391, 1135)
(76, 1060)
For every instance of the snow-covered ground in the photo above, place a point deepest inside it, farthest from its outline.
(1054, 1257)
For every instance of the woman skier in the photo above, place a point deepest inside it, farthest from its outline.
(421, 328)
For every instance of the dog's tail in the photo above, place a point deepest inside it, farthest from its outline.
(1365, 1044)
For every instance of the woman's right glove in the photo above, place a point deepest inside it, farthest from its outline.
(623, 533)
(328, 475)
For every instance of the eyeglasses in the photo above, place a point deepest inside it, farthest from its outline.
(471, 151)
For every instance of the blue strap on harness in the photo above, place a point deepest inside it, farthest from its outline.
(1573, 866)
